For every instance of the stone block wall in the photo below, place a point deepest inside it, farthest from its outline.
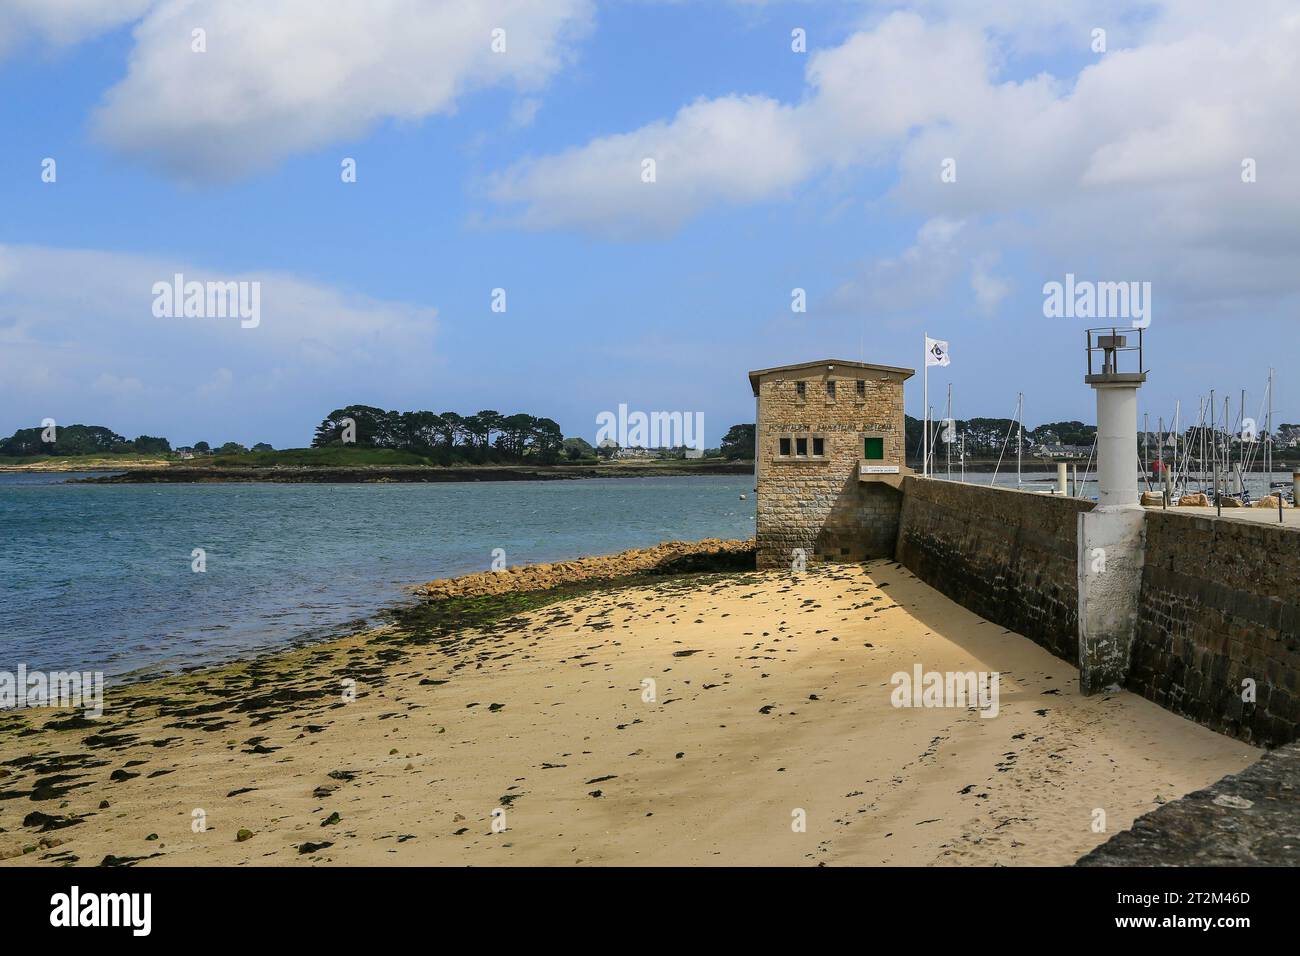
(1219, 601)
(1009, 556)
(1220, 604)
(820, 506)
(1239, 821)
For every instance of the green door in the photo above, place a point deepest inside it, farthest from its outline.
(874, 449)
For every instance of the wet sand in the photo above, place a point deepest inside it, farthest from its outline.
(771, 696)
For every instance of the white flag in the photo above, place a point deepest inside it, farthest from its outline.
(936, 351)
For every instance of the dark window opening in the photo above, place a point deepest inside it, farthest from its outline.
(785, 447)
(801, 390)
(862, 389)
(830, 390)
(801, 446)
(819, 446)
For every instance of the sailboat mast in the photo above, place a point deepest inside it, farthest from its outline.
(1268, 446)
(1178, 420)
(1020, 434)
(948, 425)
(1241, 451)
(1200, 441)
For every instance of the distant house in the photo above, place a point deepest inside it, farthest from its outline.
(637, 452)
(185, 453)
(1061, 452)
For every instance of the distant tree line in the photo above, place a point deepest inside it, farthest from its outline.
(82, 440)
(447, 437)
(485, 436)
(984, 437)
(79, 440)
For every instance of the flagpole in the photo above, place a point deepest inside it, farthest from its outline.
(947, 438)
(925, 408)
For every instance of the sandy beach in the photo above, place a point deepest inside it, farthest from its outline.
(694, 720)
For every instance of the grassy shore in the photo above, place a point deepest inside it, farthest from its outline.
(674, 710)
(351, 464)
(189, 472)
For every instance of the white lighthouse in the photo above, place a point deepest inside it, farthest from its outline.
(1112, 535)
(1116, 388)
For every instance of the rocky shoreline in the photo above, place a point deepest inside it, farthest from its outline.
(671, 557)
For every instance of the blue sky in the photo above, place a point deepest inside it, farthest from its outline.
(520, 170)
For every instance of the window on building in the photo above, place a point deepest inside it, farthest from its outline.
(801, 390)
(862, 390)
(830, 390)
(801, 446)
(873, 448)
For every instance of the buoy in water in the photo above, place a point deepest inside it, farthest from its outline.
(742, 496)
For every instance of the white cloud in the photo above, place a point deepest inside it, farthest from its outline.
(282, 76)
(524, 111)
(737, 149)
(1030, 27)
(77, 333)
(1129, 160)
(64, 22)
(863, 98)
(902, 285)
(990, 290)
(115, 386)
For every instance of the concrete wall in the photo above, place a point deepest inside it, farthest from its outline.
(1009, 556)
(1219, 599)
(1221, 604)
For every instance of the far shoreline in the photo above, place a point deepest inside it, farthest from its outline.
(101, 472)
(413, 474)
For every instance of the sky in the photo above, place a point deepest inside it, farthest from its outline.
(907, 167)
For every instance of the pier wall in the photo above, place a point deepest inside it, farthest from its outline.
(1219, 602)
(1220, 605)
(1007, 555)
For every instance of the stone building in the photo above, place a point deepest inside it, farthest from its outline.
(828, 461)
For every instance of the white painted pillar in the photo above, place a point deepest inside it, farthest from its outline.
(1117, 458)
(1062, 478)
(1111, 537)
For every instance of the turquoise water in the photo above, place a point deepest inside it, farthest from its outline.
(99, 576)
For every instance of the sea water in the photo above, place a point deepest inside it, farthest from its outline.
(101, 577)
